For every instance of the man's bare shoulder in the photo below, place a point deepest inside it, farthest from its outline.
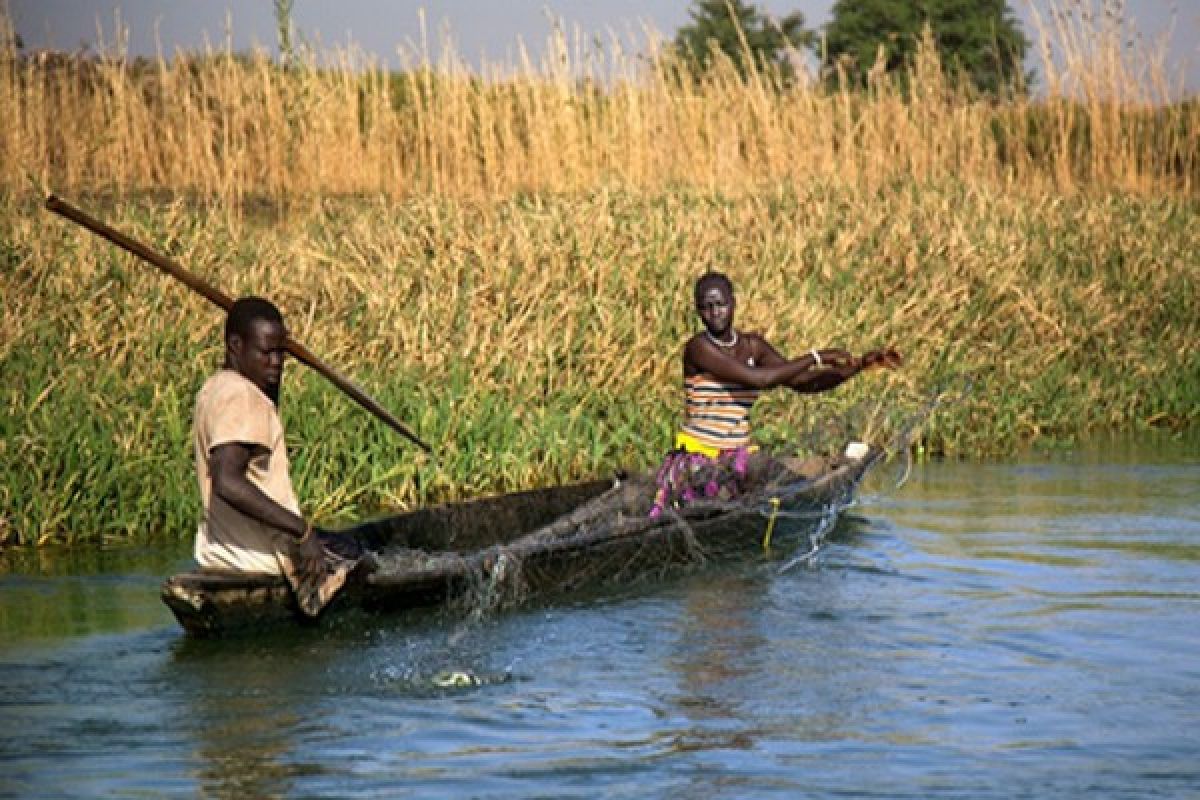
(690, 349)
(755, 339)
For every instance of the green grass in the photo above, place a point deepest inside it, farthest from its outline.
(536, 340)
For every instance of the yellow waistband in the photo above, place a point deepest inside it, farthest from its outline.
(694, 445)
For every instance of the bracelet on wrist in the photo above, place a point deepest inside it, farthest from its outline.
(816, 358)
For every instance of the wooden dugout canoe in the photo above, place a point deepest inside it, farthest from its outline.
(496, 551)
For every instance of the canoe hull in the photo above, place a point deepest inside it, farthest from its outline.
(498, 551)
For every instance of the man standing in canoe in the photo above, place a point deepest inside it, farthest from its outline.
(252, 521)
(724, 371)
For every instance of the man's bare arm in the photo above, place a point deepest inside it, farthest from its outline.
(227, 463)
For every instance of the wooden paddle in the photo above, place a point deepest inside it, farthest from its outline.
(224, 301)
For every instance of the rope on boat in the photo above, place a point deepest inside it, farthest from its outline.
(771, 523)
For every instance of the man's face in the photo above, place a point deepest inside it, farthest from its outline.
(259, 355)
(716, 310)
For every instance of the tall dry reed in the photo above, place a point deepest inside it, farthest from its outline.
(226, 125)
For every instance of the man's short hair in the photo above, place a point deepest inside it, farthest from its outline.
(710, 279)
(245, 311)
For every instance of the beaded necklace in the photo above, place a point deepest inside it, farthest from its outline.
(719, 343)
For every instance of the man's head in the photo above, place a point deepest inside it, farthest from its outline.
(712, 280)
(255, 343)
(714, 302)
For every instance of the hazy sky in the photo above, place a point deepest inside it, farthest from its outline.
(481, 29)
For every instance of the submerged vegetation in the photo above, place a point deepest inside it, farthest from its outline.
(505, 262)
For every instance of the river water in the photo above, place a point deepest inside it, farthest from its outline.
(1025, 629)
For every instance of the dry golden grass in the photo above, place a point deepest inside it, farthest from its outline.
(228, 127)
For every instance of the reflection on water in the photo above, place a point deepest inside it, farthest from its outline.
(717, 643)
(997, 630)
(51, 594)
(244, 708)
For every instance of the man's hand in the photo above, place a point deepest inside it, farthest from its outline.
(342, 545)
(309, 557)
(887, 358)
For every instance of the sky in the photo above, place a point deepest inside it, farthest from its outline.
(481, 30)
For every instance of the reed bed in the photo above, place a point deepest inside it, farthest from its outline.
(537, 339)
(229, 126)
(506, 263)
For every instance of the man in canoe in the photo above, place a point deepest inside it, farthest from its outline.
(724, 371)
(252, 521)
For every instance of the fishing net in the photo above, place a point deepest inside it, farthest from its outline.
(628, 531)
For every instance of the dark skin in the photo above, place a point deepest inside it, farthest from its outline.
(259, 357)
(749, 360)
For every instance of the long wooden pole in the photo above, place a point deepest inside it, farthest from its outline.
(224, 301)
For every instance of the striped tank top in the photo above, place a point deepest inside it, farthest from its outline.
(717, 414)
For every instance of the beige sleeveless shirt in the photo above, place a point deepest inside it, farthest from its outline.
(229, 408)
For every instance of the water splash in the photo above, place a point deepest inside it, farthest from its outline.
(826, 519)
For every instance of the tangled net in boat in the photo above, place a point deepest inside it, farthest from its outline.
(613, 539)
